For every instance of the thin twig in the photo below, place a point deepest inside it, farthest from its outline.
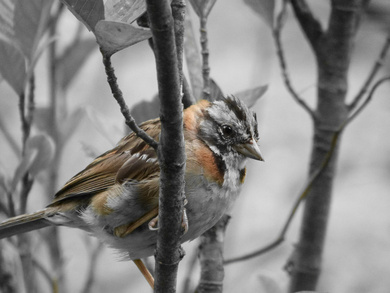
(312, 179)
(368, 99)
(205, 57)
(378, 64)
(26, 113)
(280, 53)
(117, 93)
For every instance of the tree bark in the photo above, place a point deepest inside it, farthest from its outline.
(171, 152)
(333, 53)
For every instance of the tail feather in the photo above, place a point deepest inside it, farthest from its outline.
(23, 223)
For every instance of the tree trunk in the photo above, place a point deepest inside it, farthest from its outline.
(333, 52)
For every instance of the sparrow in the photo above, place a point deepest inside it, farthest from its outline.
(115, 198)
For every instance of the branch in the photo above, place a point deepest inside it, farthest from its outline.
(205, 57)
(178, 14)
(368, 99)
(171, 152)
(309, 24)
(190, 271)
(211, 258)
(378, 64)
(280, 238)
(280, 53)
(117, 93)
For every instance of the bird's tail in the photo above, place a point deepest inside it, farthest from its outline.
(23, 223)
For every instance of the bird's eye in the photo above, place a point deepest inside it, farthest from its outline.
(227, 130)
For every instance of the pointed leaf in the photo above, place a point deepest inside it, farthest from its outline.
(30, 20)
(39, 153)
(146, 110)
(124, 10)
(192, 55)
(89, 12)
(251, 96)
(12, 66)
(115, 36)
(73, 59)
(7, 8)
(202, 7)
(215, 91)
(268, 285)
(265, 8)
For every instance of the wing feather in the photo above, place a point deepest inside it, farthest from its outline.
(131, 160)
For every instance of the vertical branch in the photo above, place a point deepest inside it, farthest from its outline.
(205, 57)
(51, 234)
(211, 258)
(24, 242)
(178, 13)
(171, 152)
(333, 54)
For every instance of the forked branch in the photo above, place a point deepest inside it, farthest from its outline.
(280, 53)
(280, 238)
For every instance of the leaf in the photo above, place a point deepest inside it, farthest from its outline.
(251, 96)
(265, 8)
(30, 21)
(146, 110)
(215, 91)
(7, 8)
(12, 66)
(115, 36)
(268, 285)
(192, 55)
(124, 10)
(202, 7)
(73, 59)
(68, 128)
(39, 152)
(41, 116)
(89, 12)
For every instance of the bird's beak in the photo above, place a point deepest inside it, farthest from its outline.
(250, 150)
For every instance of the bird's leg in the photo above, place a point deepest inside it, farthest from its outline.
(145, 272)
(124, 230)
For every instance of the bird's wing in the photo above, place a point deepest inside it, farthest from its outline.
(131, 160)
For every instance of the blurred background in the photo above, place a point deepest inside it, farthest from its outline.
(242, 56)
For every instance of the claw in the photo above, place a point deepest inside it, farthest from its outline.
(184, 221)
(153, 224)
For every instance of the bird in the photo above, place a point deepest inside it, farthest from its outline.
(115, 198)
